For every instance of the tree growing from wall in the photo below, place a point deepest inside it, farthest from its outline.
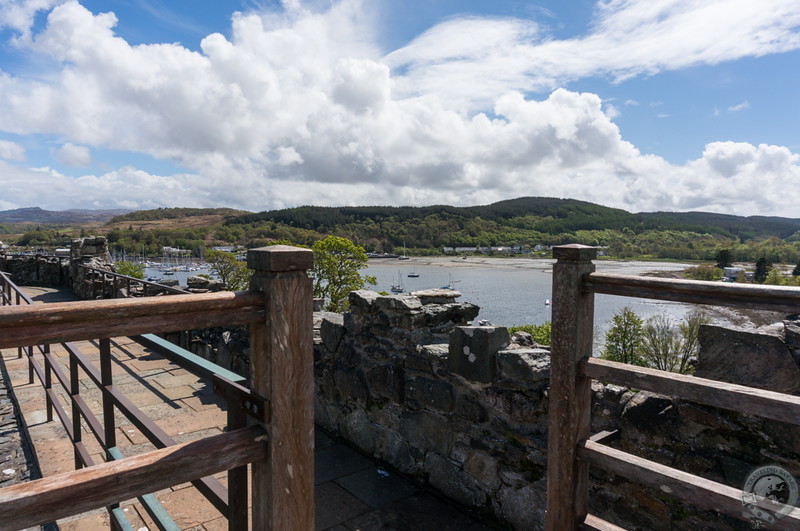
(231, 272)
(337, 265)
(624, 338)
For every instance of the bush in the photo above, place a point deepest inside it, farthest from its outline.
(541, 333)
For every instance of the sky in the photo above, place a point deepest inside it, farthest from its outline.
(644, 105)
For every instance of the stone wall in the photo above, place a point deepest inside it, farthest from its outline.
(464, 410)
(36, 270)
(90, 252)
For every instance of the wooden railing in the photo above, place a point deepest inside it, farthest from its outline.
(571, 449)
(114, 281)
(270, 424)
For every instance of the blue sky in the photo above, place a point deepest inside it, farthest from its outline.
(643, 105)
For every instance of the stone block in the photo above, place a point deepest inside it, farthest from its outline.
(523, 508)
(332, 330)
(429, 393)
(398, 454)
(453, 481)
(524, 366)
(350, 384)
(483, 468)
(442, 318)
(426, 431)
(758, 358)
(648, 411)
(427, 356)
(385, 382)
(436, 296)
(473, 351)
(471, 409)
(400, 303)
(364, 434)
(361, 300)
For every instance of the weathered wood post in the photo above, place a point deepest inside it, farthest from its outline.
(570, 394)
(281, 370)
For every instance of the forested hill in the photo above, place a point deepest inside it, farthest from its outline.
(541, 214)
(158, 214)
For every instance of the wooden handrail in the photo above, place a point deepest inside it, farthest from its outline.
(43, 500)
(740, 398)
(279, 310)
(570, 451)
(700, 491)
(75, 321)
(154, 285)
(776, 298)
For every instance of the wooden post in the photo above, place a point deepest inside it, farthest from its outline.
(281, 370)
(570, 394)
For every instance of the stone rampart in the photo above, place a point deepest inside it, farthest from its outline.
(464, 410)
(36, 270)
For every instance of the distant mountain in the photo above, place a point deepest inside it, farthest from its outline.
(62, 217)
(544, 214)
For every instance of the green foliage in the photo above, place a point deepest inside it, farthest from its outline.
(724, 258)
(158, 214)
(655, 343)
(704, 272)
(43, 238)
(233, 273)
(763, 267)
(775, 278)
(660, 345)
(624, 338)
(337, 262)
(129, 269)
(541, 333)
(690, 331)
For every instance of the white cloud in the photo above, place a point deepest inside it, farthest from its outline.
(740, 107)
(466, 60)
(300, 107)
(11, 151)
(72, 155)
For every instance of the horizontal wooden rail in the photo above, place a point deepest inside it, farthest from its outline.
(40, 501)
(74, 321)
(593, 523)
(775, 298)
(747, 400)
(696, 490)
(126, 278)
(13, 288)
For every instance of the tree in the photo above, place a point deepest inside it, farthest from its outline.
(774, 278)
(796, 270)
(660, 346)
(762, 269)
(669, 349)
(129, 269)
(337, 262)
(233, 273)
(624, 338)
(724, 258)
(690, 332)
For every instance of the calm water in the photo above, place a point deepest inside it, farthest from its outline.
(513, 291)
(509, 291)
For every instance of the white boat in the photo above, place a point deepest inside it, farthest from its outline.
(398, 288)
